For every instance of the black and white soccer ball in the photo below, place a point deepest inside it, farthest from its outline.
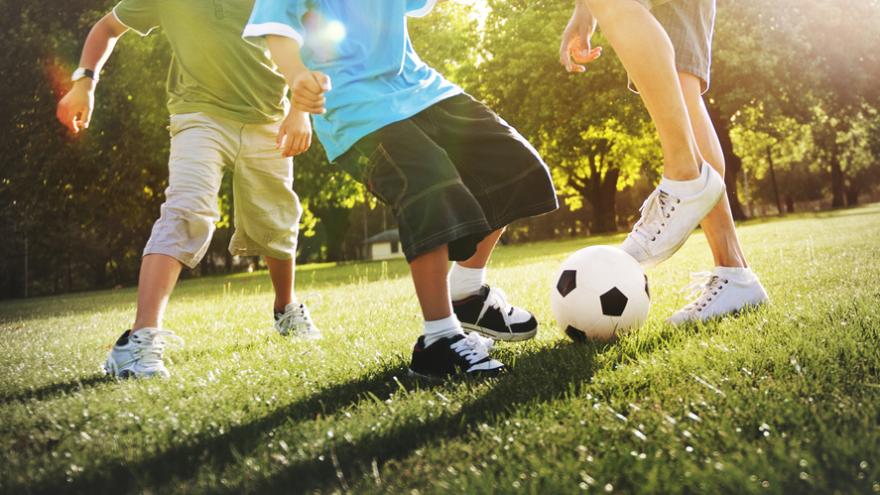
(600, 293)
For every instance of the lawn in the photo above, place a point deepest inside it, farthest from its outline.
(785, 399)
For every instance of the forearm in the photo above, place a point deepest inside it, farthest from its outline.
(100, 43)
(285, 54)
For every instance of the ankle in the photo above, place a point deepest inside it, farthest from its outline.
(465, 282)
(435, 330)
(281, 306)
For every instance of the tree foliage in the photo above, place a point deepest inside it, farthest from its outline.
(794, 98)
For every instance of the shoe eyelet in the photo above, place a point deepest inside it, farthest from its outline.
(653, 239)
(677, 201)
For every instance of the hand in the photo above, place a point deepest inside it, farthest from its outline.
(75, 109)
(575, 45)
(308, 92)
(295, 134)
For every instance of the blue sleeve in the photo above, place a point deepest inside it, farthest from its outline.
(419, 8)
(276, 17)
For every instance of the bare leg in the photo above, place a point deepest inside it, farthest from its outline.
(429, 278)
(646, 52)
(718, 224)
(282, 274)
(484, 251)
(158, 276)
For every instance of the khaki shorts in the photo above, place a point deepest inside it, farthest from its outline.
(266, 209)
(690, 25)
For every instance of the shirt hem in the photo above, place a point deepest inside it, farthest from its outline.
(177, 109)
(138, 31)
(422, 12)
(348, 143)
(271, 28)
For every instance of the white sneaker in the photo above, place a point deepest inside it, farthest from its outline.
(139, 354)
(297, 322)
(668, 220)
(719, 294)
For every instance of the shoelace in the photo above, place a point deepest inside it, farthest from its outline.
(473, 347)
(704, 286)
(498, 300)
(298, 317)
(656, 210)
(151, 345)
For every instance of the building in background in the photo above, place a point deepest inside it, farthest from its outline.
(383, 246)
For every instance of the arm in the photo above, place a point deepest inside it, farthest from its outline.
(307, 88)
(75, 109)
(575, 45)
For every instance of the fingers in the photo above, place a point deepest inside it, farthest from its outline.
(294, 144)
(308, 93)
(323, 81)
(309, 102)
(576, 53)
(587, 56)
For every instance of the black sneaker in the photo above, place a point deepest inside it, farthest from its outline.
(489, 314)
(454, 355)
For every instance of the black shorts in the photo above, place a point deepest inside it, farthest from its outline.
(452, 174)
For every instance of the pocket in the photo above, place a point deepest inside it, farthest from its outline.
(383, 178)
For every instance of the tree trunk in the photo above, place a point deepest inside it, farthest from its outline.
(852, 194)
(605, 218)
(837, 187)
(336, 222)
(789, 204)
(773, 181)
(601, 193)
(732, 162)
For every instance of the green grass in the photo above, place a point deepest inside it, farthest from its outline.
(785, 399)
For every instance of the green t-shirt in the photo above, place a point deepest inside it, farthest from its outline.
(213, 69)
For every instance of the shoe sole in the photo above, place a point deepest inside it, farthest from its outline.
(505, 336)
(441, 379)
(730, 314)
(656, 260)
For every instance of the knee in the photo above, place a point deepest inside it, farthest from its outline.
(181, 233)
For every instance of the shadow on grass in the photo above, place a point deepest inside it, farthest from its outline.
(48, 391)
(216, 450)
(561, 369)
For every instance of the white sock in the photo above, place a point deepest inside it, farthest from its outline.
(737, 274)
(464, 282)
(685, 188)
(438, 329)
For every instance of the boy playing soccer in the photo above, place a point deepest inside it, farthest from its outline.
(665, 46)
(226, 105)
(454, 173)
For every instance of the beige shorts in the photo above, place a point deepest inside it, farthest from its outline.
(266, 210)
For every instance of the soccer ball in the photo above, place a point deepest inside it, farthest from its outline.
(600, 292)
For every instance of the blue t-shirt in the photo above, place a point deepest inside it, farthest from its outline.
(363, 45)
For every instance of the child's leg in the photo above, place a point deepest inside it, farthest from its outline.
(429, 277)
(157, 278)
(646, 52)
(282, 274)
(466, 278)
(718, 225)
(267, 213)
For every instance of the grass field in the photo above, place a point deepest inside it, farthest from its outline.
(785, 399)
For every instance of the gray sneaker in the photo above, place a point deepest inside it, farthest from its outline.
(667, 220)
(140, 354)
(717, 295)
(296, 322)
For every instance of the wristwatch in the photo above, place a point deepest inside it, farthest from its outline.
(83, 72)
